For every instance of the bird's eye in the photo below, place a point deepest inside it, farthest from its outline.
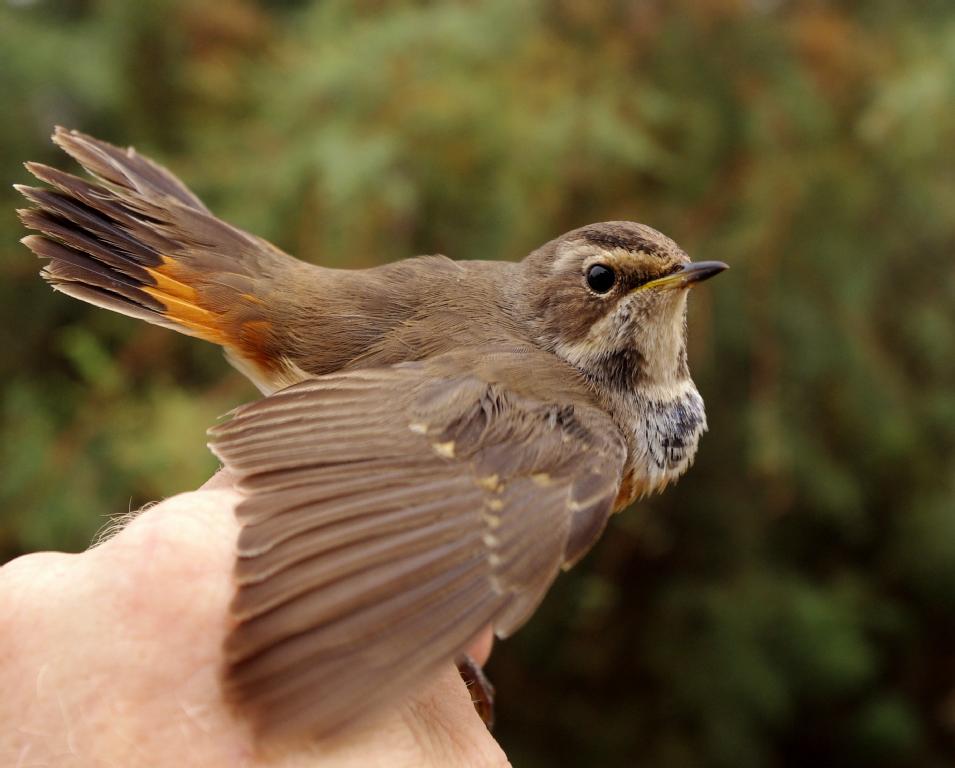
(601, 278)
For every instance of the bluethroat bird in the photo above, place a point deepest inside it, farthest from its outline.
(437, 441)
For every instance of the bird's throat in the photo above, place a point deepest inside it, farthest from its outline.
(663, 428)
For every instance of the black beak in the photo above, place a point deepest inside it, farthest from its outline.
(688, 274)
(698, 271)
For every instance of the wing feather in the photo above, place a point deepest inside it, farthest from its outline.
(392, 514)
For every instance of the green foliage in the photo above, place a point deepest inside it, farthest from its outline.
(790, 602)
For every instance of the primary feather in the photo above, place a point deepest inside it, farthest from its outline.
(382, 535)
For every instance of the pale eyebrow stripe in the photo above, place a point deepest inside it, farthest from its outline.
(613, 256)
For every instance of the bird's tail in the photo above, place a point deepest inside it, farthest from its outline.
(135, 240)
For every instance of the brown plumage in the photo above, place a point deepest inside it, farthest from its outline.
(442, 439)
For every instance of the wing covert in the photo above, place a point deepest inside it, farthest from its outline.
(392, 514)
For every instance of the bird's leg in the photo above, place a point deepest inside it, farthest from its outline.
(480, 688)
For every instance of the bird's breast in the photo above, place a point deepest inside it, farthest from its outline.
(663, 428)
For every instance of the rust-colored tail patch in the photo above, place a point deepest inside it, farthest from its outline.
(135, 240)
(181, 302)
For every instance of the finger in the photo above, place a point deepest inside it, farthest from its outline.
(127, 634)
(435, 727)
(480, 647)
(220, 480)
(203, 518)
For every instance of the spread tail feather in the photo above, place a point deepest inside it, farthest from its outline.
(135, 240)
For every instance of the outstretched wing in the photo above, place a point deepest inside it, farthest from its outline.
(391, 515)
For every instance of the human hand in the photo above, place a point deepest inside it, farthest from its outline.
(110, 657)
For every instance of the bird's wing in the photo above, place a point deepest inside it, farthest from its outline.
(390, 515)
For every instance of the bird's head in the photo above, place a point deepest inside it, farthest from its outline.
(610, 299)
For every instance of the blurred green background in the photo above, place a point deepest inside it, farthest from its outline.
(792, 601)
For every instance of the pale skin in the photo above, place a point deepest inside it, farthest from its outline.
(109, 658)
